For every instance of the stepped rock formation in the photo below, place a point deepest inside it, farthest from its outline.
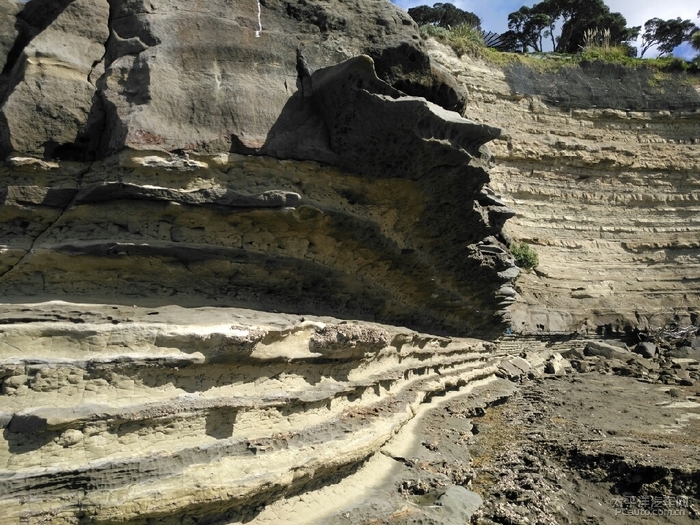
(138, 417)
(173, 178)
(602, 164)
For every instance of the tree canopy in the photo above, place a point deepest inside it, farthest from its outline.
(444, 15)
(570, 26)
(529, 26)
(666, 34)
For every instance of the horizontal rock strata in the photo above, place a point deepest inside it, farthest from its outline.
(115, 414)
(155, 229)
(609, 196)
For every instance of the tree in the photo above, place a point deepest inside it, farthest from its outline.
(695, 41)
(575, 17)
(444, 15)
(666, 34)
(526, 28)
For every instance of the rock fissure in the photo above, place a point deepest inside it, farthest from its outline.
(18, 263)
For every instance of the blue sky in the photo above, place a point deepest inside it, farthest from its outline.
(494, 13)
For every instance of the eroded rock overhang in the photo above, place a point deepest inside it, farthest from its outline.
(217, 168)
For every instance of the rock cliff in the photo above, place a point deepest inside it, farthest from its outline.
(241, 243)
(602, 164)
(126, 414)
(174, 176)
(128, 170)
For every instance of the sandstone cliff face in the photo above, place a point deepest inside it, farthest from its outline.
(404, 231)
(602, 165)
(168, 164)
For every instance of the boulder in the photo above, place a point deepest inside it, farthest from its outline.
(607, 350)
(557, 365)
(510, 371)
(646, 350)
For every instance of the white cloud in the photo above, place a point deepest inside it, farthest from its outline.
(638, 12)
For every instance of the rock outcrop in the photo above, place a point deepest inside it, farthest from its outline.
(602, 164)
(153, 229)
(403, 231)
(155, 74)
(173, 178)
(126, 414)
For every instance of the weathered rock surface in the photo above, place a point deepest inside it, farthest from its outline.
(404, 231)
(602, 165)
(51, 79)
(156, 75)
(154, 229)
(586, 448)
(128, 414)
(167, 165)
(8, 33)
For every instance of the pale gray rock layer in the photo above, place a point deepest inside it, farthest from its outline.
(130, 415)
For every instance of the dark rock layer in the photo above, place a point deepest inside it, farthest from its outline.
(104, 75)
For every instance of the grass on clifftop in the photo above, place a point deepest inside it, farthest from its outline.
(465, 40)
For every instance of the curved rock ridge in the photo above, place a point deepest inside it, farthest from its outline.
(609, 197)
(125, 414)
(151, 229)
(98, 76)
(404, 231)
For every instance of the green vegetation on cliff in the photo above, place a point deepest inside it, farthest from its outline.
(465, 40)
(525, 256)
(575, 30)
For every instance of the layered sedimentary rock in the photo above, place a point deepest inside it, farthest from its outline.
(166, 165)
(254, 231)
(125, 414)
(403, 231)
(602, 164)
